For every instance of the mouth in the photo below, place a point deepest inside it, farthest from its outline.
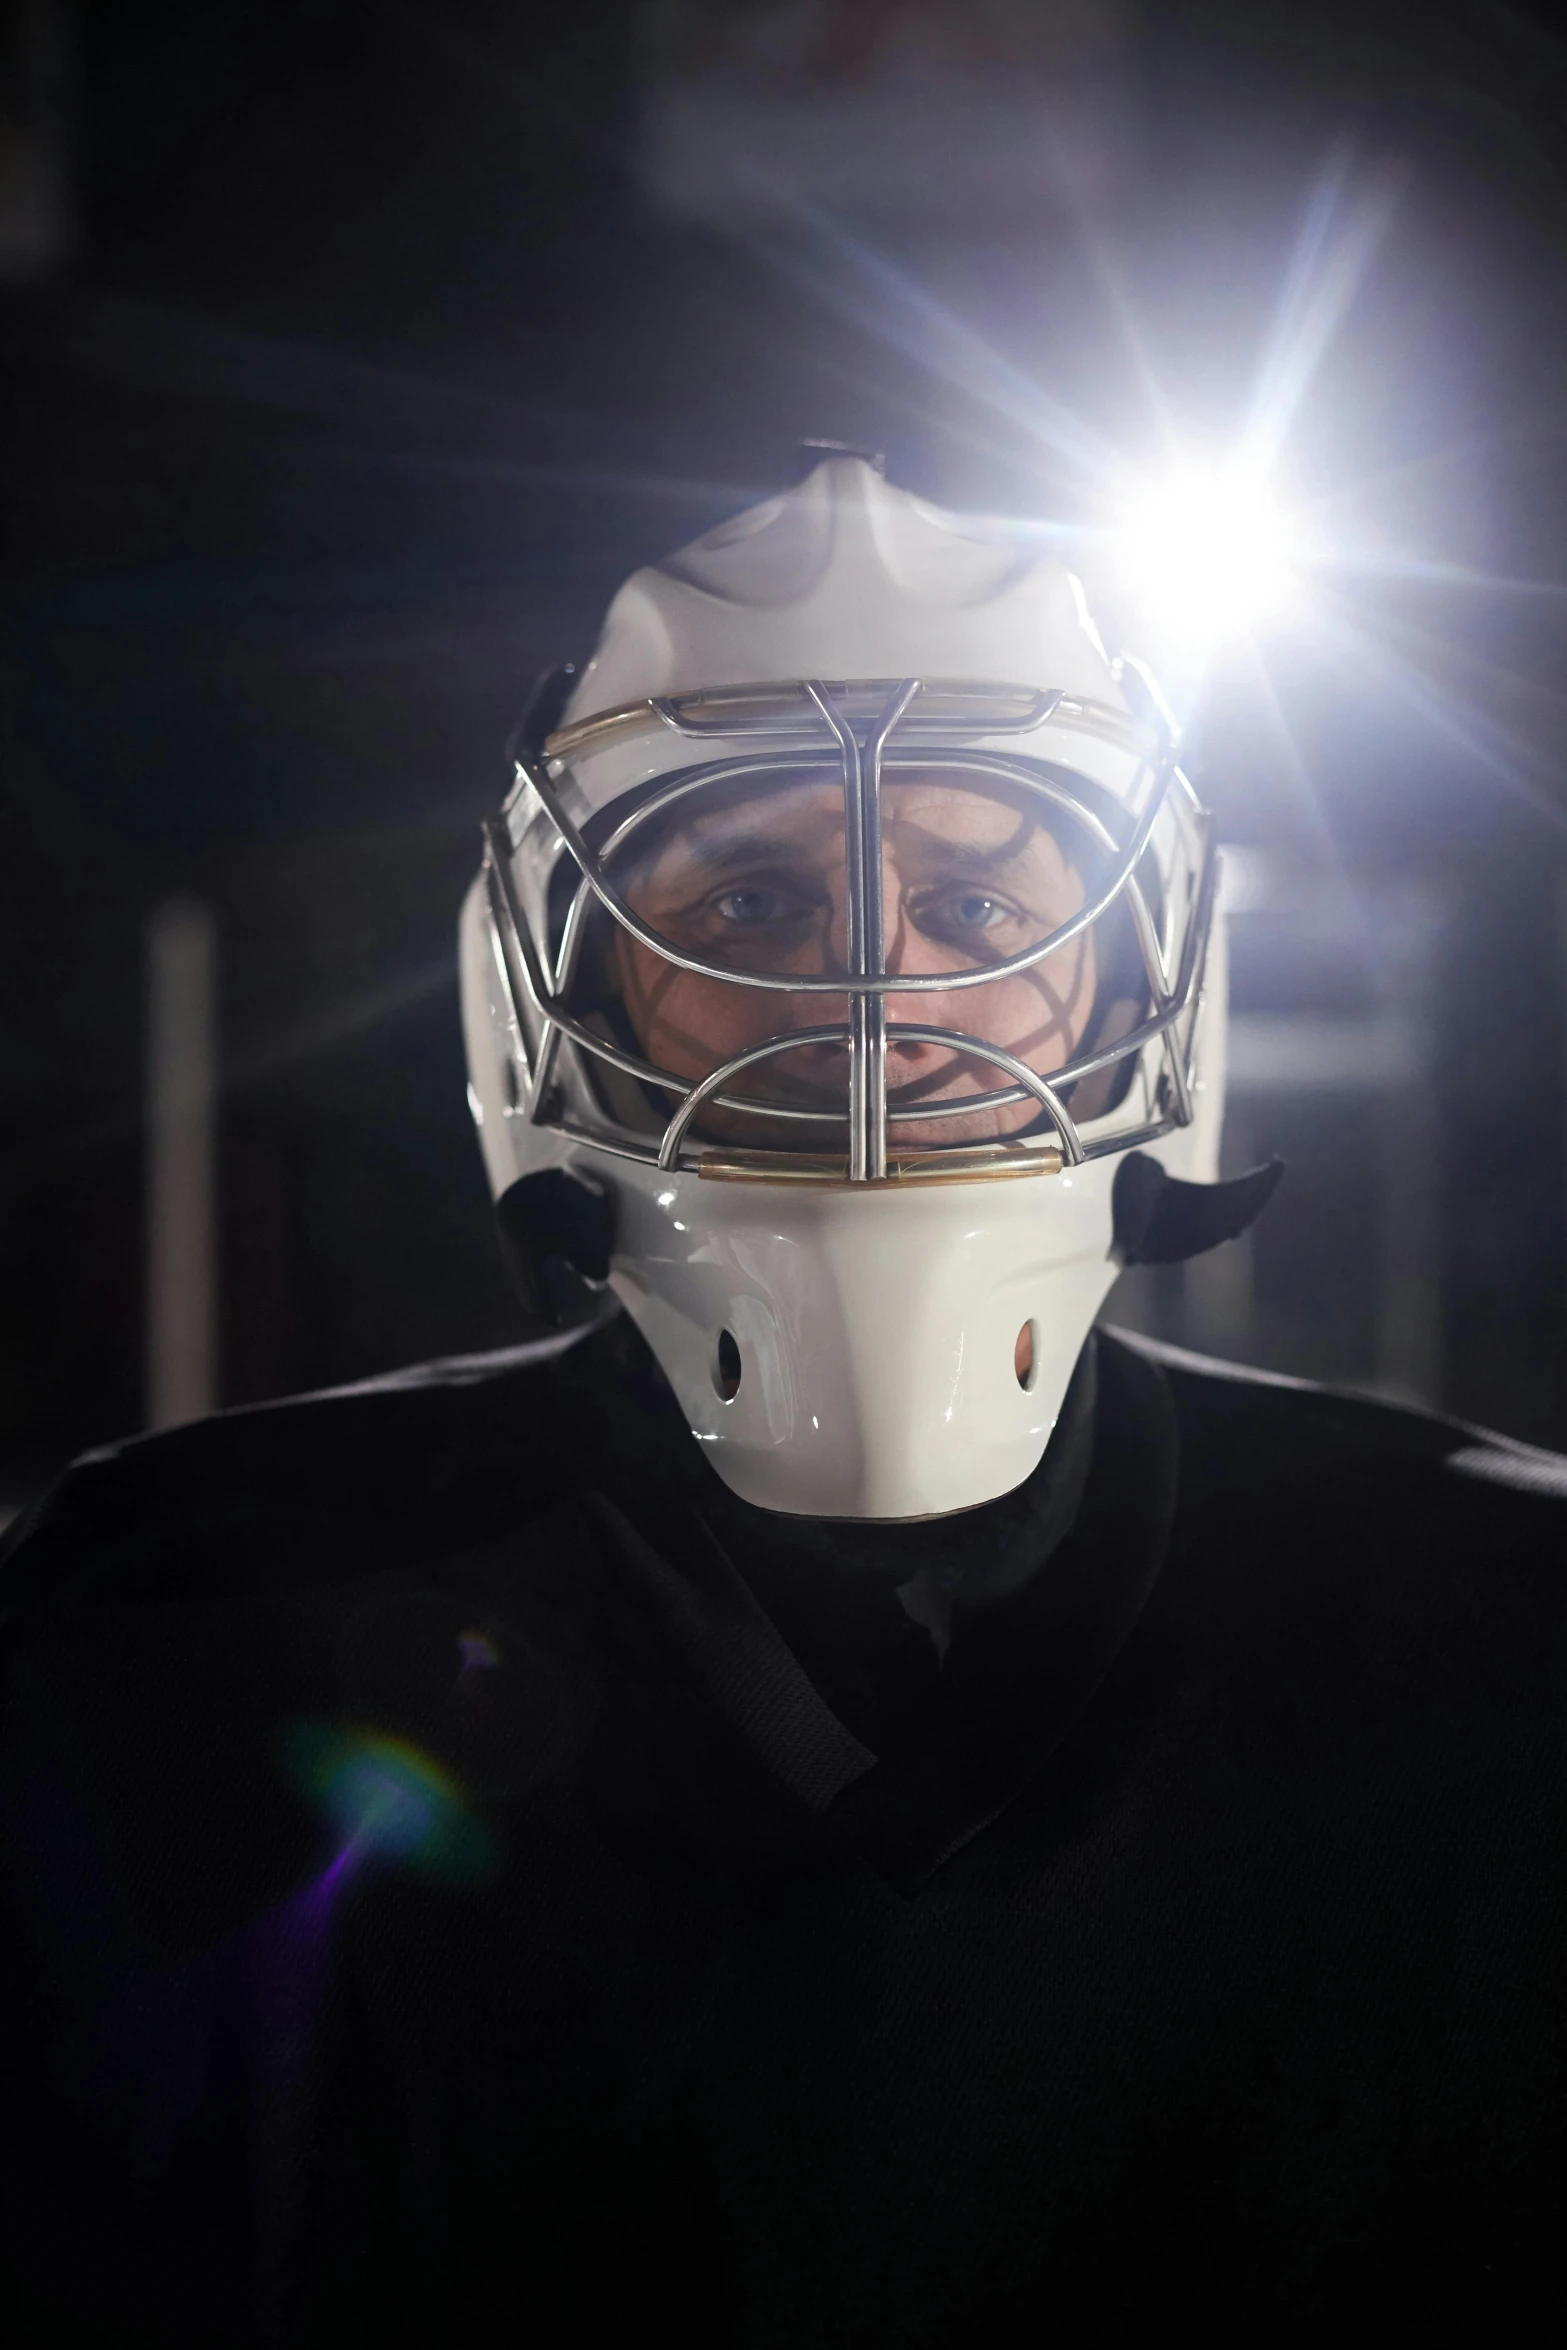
(815, 1080)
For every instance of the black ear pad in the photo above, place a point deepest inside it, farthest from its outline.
(557, 1235)
(541, 713)
(1162, 1221)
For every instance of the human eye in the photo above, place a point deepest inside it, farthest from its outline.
(751, 907)
(760, 913)
(961, 915)
(975, 911)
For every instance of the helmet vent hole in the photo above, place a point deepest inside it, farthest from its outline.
(726, 1367)
(510, 1085)
(1025, 1357)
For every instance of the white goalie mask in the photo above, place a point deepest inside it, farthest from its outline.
(850, 929)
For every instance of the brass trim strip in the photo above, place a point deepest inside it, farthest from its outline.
(764, 703)
(924, 1167)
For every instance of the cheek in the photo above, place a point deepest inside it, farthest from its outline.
(685, 1023)
(1044, 1011)
(1070, 978)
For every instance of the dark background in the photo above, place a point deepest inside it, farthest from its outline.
(362, 370)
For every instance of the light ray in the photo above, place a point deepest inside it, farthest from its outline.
(1118, 301)
(1348, 563)
(1304, 787)
(1353, 491)
(195, 359)
(1207, 551)
(913, 322)
(1428, 653)
(1481, 739)
(1333, 255)
(350, 1017)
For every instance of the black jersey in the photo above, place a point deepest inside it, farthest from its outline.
(468, 1879)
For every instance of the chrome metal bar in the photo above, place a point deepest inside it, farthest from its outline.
(1130, 1138)
(1194, 960)
(1042, 1088)
(857, 924)
(866, 941)
(1177, 1004)
(707, 1090)
(549, 1053)
(1178, 1054)
(953, 1105)
(1149, 944)
(956, 703)
(867, 984)
(509, 915)
(910, 983)
(666, 708)
(872, 1010)
(961, 1041)
(867, 1014)
(1043, 702)
(1180, 1082)
(694, 779)
(643, 1154)
(506, 916)
(561, 1023)
(865, 1032)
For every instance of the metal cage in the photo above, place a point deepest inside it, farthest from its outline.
(860, 732)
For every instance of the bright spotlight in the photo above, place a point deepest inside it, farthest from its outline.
(1208, 555)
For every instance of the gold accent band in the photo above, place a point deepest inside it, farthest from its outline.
(956, 707)
(920, 1167)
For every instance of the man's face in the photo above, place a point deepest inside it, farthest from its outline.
(757, 881)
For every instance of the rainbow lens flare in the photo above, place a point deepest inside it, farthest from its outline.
(388, 1799)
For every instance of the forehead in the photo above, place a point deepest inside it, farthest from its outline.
(803, 815)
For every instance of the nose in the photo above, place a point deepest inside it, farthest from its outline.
(909, 951)
(904, 946)
(905, 949)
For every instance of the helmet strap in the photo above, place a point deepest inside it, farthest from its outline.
(1161, 1221)
(556, 1236)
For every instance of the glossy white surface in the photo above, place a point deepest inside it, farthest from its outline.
(876, 1329)
(876, 1326)
(847, 576)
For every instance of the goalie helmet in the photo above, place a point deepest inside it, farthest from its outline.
(842, 986)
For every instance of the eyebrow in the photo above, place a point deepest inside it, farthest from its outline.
(976, 863)
(724, 856)
(964, 862)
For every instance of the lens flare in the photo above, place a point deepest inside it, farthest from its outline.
(385, 1797)
(1209, 555)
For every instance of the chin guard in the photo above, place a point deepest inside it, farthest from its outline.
(834, 1271)
(556, 1237)
(1161, 1221)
